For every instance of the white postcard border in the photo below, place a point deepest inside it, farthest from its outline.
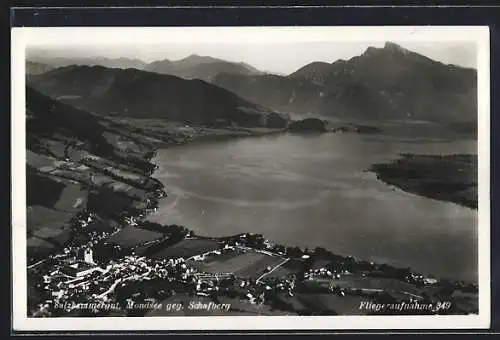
(67, 36)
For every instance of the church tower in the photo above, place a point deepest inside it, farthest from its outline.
(88, 256)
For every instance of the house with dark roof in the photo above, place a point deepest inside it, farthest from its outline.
(79, 269)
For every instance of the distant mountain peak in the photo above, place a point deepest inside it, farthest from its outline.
(195, 58)
(393, 50)
(389, 48)
(251, 68)
(314, 71)
(162, 61)
(389, 45)
(192, 57)
(201, 67)
(385, 82)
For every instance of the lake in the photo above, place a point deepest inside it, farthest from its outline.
(312, 190)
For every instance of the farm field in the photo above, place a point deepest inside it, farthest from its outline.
(240, 263)
(42, 241)
(371, 283)
(131, 236)
(129, 175)
(57, 235)
(73, 198)
(103, 164)
(293, 266)
(38, 247)
(39, 217)
(187, 248)
(120, 186)
(49, 212)
(39, 161)
(76, 154)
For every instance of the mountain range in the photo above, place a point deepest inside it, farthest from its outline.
(141, 94)
(56, 62)
(201, 67)
(191, 67)
(387, 83)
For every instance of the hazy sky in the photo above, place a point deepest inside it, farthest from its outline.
(277, 57)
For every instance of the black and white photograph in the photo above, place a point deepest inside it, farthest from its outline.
(298, 177)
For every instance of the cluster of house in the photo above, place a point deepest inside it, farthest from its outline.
(286, 284)
(419, 278)
(83, 266)
(203, 256)
(68, 279)
(322, 273)
(130, 220)
(257, 293)
(84, 218)
(207, 285)
(83, 275)
(80, 280)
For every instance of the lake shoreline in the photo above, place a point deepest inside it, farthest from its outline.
(346, 255)
(302, 267)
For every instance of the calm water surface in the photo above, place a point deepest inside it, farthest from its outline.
(313, 191)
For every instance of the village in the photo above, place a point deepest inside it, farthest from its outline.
(72, 280)
(113, 272)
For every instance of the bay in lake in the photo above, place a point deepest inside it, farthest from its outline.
(313, 191)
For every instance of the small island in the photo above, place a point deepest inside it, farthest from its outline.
(309, 125)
